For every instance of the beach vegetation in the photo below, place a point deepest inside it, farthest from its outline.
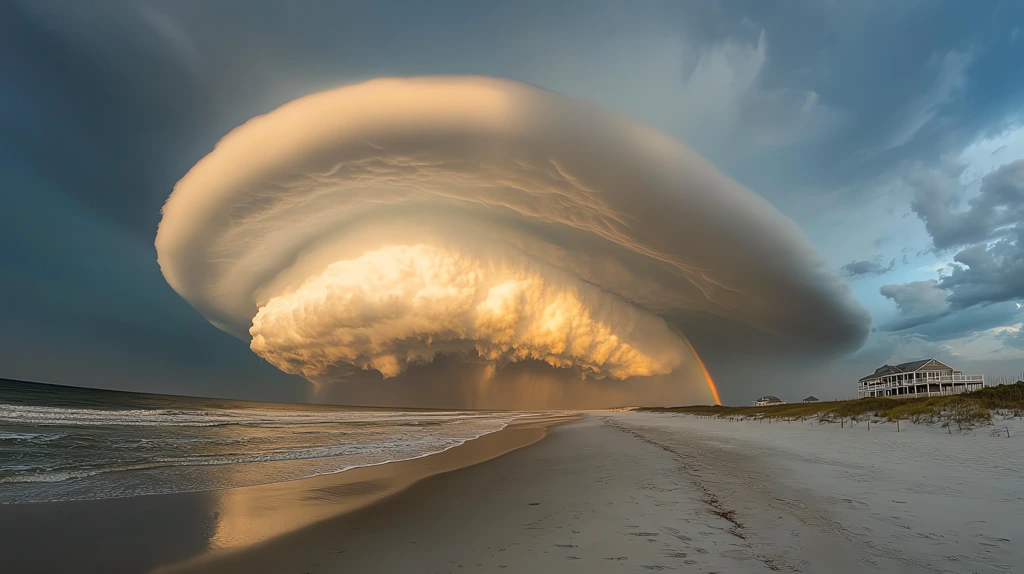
(957, 412)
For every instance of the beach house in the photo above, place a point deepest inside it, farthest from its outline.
(768, 400)
(923, 378)
(811, 399)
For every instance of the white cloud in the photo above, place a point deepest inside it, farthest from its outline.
(399, 305)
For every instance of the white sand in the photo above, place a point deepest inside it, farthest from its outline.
(818, 498)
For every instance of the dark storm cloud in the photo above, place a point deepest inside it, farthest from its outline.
(970, 322)
(490, 219)
(987, 269)
(939, 65)
(1000, 203)
(91, 135)
(1013, 339)
(988, 273)
(916, 298)
(933, 324)
(919, 303)
(857, 269)
(105, 105)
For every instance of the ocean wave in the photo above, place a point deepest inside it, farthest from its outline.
(40, 415)
(126, 480)
(57, 475)
(389, 453)
(397, 446)
(384, 443)
(117, 452)
(30, 436)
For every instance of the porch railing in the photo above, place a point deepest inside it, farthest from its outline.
(956, 379)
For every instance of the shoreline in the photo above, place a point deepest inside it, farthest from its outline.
(588, 498)
(605, 492)
(615, 492)
(177, 531)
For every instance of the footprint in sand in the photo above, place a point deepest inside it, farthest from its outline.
(675, 533)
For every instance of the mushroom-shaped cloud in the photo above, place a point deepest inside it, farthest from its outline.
(377, 226)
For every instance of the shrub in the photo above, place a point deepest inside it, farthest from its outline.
(964, 412)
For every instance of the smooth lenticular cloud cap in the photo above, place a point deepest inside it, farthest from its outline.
(376, 225)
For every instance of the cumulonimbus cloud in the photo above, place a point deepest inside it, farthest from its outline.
(376, 225)
(403, 304)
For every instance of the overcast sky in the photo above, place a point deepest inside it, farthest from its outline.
(890, 132)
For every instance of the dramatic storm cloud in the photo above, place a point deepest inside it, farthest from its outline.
(856, 269)
(379, 226)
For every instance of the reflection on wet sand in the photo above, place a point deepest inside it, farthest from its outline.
(243, 517)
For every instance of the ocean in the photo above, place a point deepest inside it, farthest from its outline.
(68, 443)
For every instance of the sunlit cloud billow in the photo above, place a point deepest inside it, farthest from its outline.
(376, 227)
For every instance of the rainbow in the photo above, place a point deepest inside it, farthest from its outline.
(704, 369)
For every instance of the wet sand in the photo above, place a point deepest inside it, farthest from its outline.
(179, 532)
(587, 498)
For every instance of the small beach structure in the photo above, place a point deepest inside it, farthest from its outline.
(812, 399)
(922, 378)
(768, 400)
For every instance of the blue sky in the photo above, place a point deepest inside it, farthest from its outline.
(887, 131)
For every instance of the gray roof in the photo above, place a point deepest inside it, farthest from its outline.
(912, 365)
(810, 399)
(909, 367)
(770, 398)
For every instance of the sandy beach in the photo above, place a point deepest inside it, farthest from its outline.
(609, 492)
(182, 530)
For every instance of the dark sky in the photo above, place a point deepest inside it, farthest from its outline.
(887, 131)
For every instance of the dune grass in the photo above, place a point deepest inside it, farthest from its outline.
(964, 411)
